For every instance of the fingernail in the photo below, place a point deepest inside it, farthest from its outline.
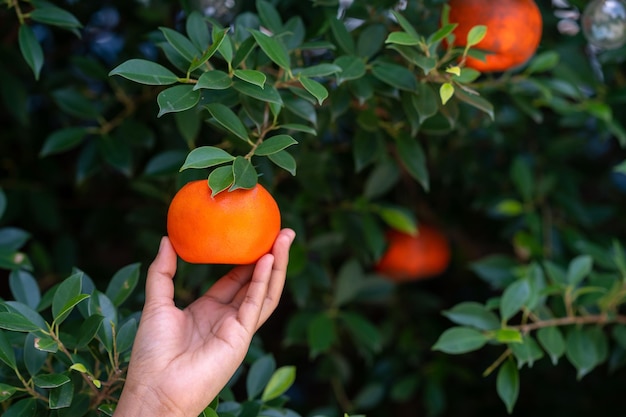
(161, 244)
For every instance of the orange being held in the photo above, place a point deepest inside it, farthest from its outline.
(514, 30)
(232, 227)
(412, 257)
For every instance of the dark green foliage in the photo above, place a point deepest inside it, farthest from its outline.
(357, 119)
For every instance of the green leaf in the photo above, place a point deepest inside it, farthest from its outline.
(473, 314)
(508, 336)
(259, 375)
(321, 333)
(526, 352)
(514, 297)
(55, 16)
(269, 93)
(16, 322)
(269, 16)
(399, 218)
(273, 48)
(282, 379)
(395, 75)
(145, 72)
(100, 304)
(508, 208)
(220, 179)
(299, 128)
(245, 175)
(181, 44)
(381, 179)
(24, 288)
(46, 344)
(225, 47)
(63, 140)
(425, 102)
(349, 279)
(218, 39)
(7, 354)
(214, 80)
(413, 159)
(26, 311)
(31, 49)
(66, 297)
(251, 76)
(542, 62)
(61, 397)
(362, 330)
(284, 160)
(274, 144)
(79, 367)
(352, 68)
(123, 283)
(50, 380)
(507, 384)
(116, 152)
(552, 341)
(476, 35)
(67, 309)
(6, 391)
(476, 101)
(443, 32)
(75, 103)
(581, 350)
(402, 38)
(319, 70)
(126, 335)
(457, 340)
(177, 98)
(205, 157)
(315, 88)
(198, 30)
(23, 408)
(12, 238)
(342, 36)
(522, 176)
(579, 268)
(88, 329)
(405, 24)
(228, 120)
(446, 91)
(371, 40)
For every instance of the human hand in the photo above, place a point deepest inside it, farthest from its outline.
(181, 359)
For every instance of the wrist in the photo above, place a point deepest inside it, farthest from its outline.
(139, 400)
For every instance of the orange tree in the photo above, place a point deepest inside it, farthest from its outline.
(358, 117)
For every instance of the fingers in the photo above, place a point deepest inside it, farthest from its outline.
(231, 288)
(159, 284)
(226, 288)
(266, 285)
(278, 274)
(252, 304)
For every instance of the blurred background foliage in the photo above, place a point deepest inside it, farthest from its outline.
(88, 169)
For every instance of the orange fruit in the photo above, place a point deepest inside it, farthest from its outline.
(513, 31)
(234, 227)
(413, 257)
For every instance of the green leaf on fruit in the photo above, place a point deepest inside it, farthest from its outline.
(205, 157)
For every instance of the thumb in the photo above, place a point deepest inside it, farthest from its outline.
(159, 284)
